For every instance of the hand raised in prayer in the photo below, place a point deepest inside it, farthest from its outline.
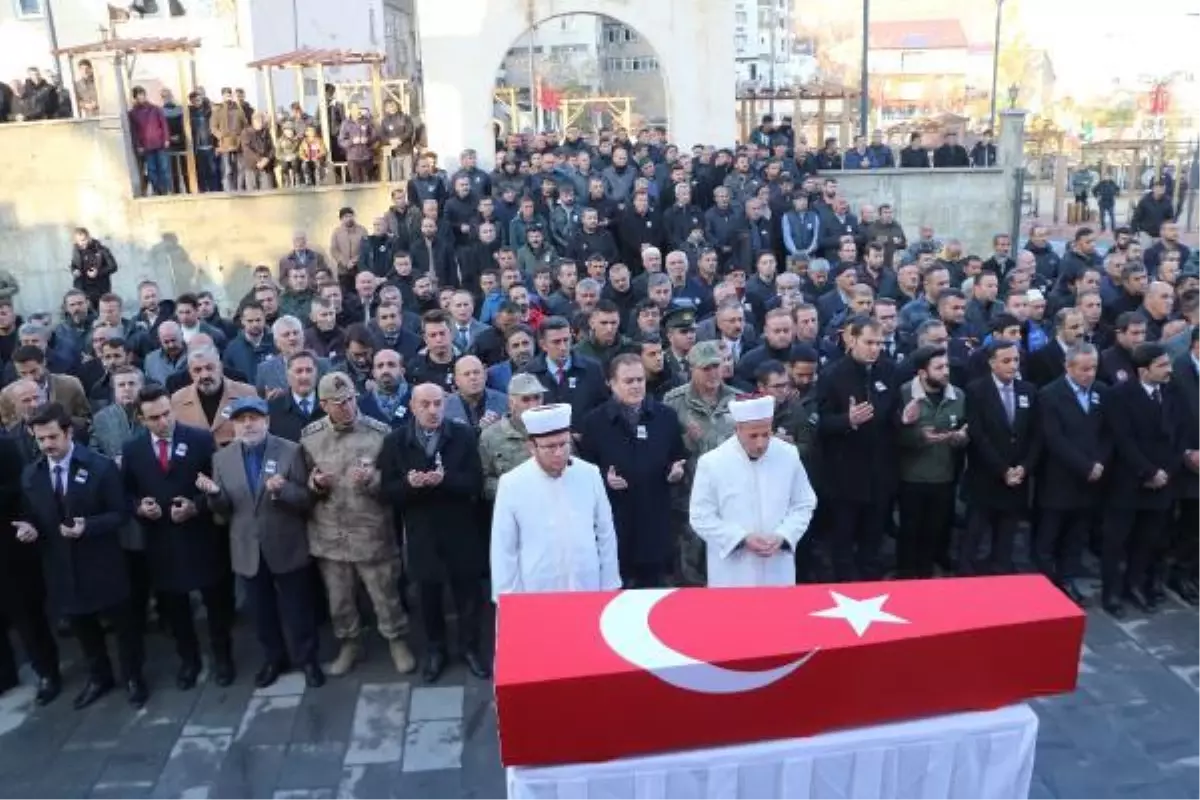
(860, 412)
(26, 533)
(207, 485)
(74, 530)
(911, 413)
(182, 509)
(149, 508)
(615, 481)
(275, 484)
(675, 474)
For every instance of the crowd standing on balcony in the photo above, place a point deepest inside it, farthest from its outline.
(589, 354)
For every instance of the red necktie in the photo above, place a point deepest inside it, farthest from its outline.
(562, 372)
(164, 458)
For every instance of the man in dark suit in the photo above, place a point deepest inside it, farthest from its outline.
(1076, 451)
(577, 380)
(431, 472)
(185, 550)
(1116, 362)
(260, 484)
(1185, 377)
(1146, 422)
(637, 443)
(297, 406)
(74, 510)
(1047, 363)
(855, 404)
(1002, 452)
(22, 589)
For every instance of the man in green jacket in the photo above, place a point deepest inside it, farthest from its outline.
(932, 427)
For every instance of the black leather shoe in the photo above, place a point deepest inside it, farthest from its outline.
(1113, 607)
(138, 693)
(186, 677)
(268, 673)
(48, 688)
(313, 676)
(476, 665)
(1140, 601)
(1072, 591)
(92, 692)
(223, 672)
(433, 666)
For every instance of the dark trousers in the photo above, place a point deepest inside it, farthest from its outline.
(1184, 556)
(856, 533)
(176, 609)
(138, 569)
(1137, 535)
(1061, 536)
(284, 603)
(468, 601)
(89, 630)
(23, 606)
(926, 514)
(1107, 212)
(360, 171)
(999, 529)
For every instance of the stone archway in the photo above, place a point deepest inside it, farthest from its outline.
(463, 41)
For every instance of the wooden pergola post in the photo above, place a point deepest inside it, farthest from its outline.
(272, 124)
(377, 102)
(189, 151)
(323, 113)
(820, 138)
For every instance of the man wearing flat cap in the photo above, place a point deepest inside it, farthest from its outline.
(260, 484)
(751, 501)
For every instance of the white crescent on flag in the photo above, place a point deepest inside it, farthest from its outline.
(625, 626)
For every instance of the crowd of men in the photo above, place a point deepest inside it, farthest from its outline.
(363, 413)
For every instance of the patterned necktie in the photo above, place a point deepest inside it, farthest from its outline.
(306, 407)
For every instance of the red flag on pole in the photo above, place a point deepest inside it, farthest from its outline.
(549, 98)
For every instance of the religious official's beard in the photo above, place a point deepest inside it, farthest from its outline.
(209, 385)
(387, 383)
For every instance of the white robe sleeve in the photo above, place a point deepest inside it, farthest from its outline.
(606, 536)
(802, 502)
(506, 542)
(704, 510)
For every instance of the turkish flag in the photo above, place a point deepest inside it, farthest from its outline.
(593, 676)
(549, 98)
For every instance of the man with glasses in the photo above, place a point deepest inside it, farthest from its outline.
(552, 529)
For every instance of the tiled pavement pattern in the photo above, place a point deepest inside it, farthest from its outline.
(1131, 730)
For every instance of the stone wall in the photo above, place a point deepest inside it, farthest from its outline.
(63, 174)
(971, 205)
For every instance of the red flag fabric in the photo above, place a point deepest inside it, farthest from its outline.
(593, 676)
(548, 97)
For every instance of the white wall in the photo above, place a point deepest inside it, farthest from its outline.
(463, 42)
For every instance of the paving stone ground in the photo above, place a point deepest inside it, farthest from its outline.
(1130, 730)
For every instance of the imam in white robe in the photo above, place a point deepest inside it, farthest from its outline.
(734, 497)
(553, 534)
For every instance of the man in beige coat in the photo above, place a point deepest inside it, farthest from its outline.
(29, 361)
(344, 245)
(205, 403)
(259, 484)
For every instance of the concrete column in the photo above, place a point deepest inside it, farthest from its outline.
(1010, 146)
(1010, 156)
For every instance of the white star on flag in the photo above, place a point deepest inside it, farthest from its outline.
(859, 613)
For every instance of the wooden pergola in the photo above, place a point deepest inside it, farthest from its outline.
(817, 91)
(319, 59)
(184, 51)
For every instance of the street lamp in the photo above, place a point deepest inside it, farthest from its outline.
(995, 64)
(1013, 91)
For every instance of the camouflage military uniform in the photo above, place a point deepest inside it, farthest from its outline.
(501, 447)
(705, 425)
(350, 531)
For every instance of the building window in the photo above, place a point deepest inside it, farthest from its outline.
(619, 34)
(30, 8)
(741, 18)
